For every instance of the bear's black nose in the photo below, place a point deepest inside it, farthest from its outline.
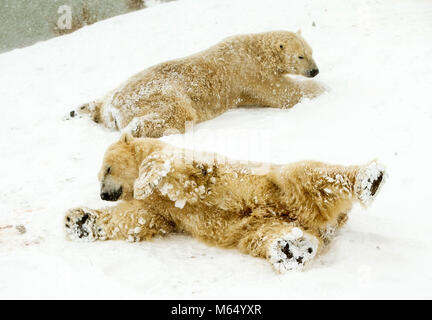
(111, 195)
(313, 73)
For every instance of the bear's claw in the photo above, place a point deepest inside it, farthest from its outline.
(293, 251)
(81, 225)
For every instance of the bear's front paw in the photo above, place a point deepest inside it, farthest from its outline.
(81, 224)
(149, 125)
(145, 187)
(293, 251)
(150, 177)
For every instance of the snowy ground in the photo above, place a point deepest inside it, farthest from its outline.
(375, 57)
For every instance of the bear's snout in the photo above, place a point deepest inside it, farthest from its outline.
(312, 73)
(111, 195)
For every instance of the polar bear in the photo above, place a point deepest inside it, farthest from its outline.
(283, 213)
(241, 70)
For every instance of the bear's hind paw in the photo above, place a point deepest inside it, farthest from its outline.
(84, 109)
(369, 181)
(81, 225)
(72, 114)
(293, 251)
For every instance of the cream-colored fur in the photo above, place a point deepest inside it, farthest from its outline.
(284, 213)
(241, 70)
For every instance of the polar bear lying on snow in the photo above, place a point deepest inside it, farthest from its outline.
(283, 213)
(241, 70)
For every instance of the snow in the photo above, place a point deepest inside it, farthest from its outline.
(374, 57)
(180, 203)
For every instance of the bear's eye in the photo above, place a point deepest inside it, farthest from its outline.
(281, 46)
(300, 57)
(108, 170)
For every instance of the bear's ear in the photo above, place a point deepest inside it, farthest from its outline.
(126, 138)
(299, 32)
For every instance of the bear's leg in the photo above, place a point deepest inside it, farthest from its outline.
(329, 231)
(150, 125)
(284, 245)
(310, 88)
(171, 118)
(131, 221)
(321, 193)
(282, 94)
(275, 95)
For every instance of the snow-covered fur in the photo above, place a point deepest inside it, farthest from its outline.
(284, 213)
(241, 70)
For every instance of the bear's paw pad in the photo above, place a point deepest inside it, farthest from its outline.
(293, 251)
(369, 182)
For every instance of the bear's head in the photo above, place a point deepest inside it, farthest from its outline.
(292, 54)
(119, 170)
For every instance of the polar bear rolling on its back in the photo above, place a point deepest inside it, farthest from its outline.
(283, 213)
(240, 70)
